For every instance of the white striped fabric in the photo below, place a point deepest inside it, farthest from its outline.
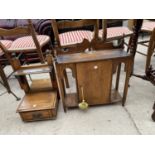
(148, 26)
(114, 32)
(27, 43)
(6, 43)
(73, 37)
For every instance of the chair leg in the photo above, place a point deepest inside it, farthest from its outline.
(10, 75)
(129, 44)
(6, 84)
(153, 115)
(17, 98)
(10, 92)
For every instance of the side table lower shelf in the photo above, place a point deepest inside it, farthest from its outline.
(71, 100)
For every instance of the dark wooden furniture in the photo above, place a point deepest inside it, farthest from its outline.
(26, 44)
(150, 75)
(94, 72)
(134, 39)
(149, 69)
(153, 114)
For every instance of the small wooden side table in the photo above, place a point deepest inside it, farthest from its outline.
(94, 73)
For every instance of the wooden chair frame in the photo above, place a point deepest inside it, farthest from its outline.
(29, 30)
(150, 52)
(131, 24)
(79, 47)
(144, 42)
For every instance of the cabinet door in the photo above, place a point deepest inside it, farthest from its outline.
(96, 79)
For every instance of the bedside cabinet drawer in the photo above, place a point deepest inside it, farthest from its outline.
(36, 115)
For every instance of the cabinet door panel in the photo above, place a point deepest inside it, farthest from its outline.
(95, 78)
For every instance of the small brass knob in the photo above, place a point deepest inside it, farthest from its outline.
(95, 67)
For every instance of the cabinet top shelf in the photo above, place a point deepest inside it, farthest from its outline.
(92, 56)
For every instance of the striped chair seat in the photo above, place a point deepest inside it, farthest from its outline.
(148, 26)
(6, 43)
(27, 43)
(73, 37)
(116, 32)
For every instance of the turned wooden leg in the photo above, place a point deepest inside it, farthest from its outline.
(154, 106)
(153, 115)
(4, 79)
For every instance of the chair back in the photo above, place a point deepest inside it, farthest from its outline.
(130, 25)
(27, 30)
(77, 24)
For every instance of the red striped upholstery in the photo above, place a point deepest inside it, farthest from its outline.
(27, 43)
(6, 43)
(115, 32)
(73, 37)
(148, 26)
